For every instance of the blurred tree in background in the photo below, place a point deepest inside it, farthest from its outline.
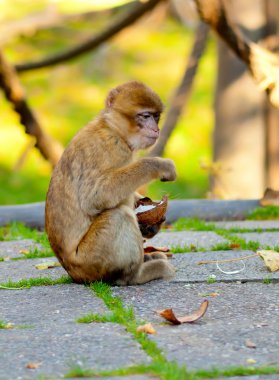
(163, 48)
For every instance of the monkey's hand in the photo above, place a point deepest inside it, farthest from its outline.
(148, 230)
(167, 170)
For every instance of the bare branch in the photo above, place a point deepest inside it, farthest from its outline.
(138, 10)
(47, 19)
(183, 91)
(14, 93)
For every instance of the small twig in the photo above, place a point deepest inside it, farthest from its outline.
(227, 260)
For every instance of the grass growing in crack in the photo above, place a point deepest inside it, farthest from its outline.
(267, 280)
(36, 254)
(192, 224)
(16, 231)
(211, 279)
(10, 326)
(125, 316)
(235, 371)
(3, 325)
(77, 370)
(160, 366)
(238, 241)
(43, 281)
(264, 213)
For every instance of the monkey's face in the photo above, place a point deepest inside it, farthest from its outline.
(147, 128)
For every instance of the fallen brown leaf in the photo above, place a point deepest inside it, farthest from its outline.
(271, 259)
(24, 251)
(250, 344)
(169, 315)
(47, 265)
(33, 365)
(147, 328)
(235, 245)
(150, 248)
(270, 198)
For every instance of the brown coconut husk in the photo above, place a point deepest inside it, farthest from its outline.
(156, 214)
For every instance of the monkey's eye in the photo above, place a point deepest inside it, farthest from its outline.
(145, 115)
(156, 116)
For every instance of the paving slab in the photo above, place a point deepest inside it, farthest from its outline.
(249, 224)
(187, 238)
(11, 249)
(264, 238)
(44, 305)
(54, 339)
(24, 269)
(240, 312)
(188, 270)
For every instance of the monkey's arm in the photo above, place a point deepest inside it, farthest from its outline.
(116, 185)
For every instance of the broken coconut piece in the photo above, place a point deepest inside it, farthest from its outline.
(149, 212)
(169, 315)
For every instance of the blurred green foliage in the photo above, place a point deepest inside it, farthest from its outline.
(67, 96)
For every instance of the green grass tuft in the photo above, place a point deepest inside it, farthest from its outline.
(28, 283)
(3, 325)
(235, 371)
(264, 213)
(192, 224)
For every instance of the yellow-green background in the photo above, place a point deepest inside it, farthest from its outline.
(67, 96)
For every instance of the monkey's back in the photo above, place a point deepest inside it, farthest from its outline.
(87, 157)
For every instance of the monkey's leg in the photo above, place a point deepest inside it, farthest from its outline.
(153, 270)
(111, 249)
(155, 256)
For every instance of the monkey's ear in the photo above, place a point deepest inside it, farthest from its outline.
(111, 97)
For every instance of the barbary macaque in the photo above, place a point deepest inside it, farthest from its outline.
(90, 219)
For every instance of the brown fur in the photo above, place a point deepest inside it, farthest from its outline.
(90, 220)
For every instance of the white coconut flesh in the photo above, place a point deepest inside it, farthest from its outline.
(143, 208)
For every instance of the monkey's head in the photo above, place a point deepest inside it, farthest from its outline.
(134, 109)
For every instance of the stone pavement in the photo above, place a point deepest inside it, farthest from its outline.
(240, 328)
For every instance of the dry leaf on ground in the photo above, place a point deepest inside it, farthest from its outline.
(169, 315)
(9, 326)
(150, 249)
(147, 328)
(235, 246)
(271, 259)
(251, 361)
(47, 265)
(33, 365)
(270, 198)
(24, 251)
(209, 294)
(250, 344)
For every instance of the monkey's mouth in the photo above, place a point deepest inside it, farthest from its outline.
(152, 135)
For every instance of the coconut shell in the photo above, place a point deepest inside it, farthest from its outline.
(154, 215)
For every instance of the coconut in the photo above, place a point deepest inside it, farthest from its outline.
(150, 212)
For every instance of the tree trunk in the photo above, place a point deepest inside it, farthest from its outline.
(239, 136)
(272, 114)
